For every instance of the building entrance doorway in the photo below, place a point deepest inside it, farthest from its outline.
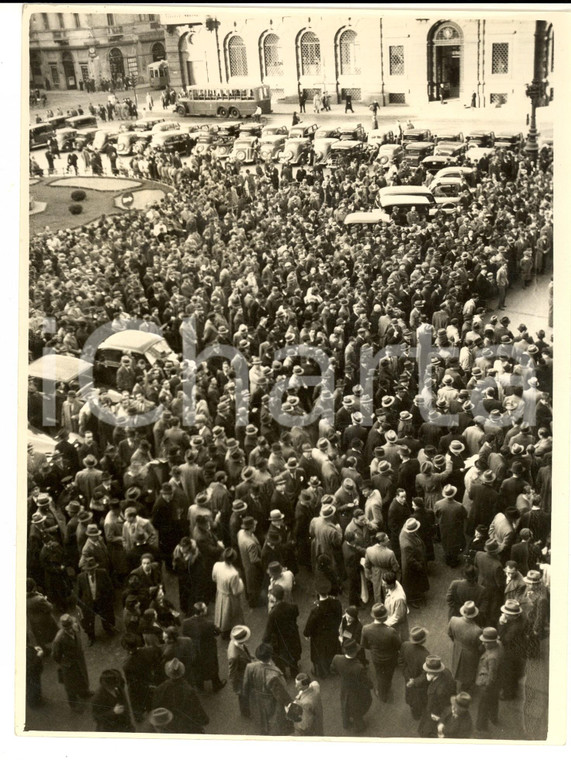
(445, 50)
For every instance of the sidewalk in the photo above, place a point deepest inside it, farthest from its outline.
(432, 115)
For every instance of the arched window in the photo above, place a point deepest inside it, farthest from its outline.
(116, 63)
(158, 52)
(272, 56)
(348, 52)
(447, 33)
(310, 54)
(236, 57)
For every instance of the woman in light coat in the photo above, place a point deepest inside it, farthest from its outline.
(230, 600)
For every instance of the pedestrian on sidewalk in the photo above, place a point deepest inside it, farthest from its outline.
(316, 103)
(302, 101)
(349, 103)
(150, 102)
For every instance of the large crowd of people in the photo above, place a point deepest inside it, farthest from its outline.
(454, 467)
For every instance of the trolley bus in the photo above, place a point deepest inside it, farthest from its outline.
(158, 75)
(224, 102)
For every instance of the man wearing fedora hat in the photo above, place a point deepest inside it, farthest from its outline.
(488, 678)
(450, 516)
(492, 577)
(411, 658)
(89, 478)
(379, 559)
(177, 695)
(465, 635)
(511, 629)
(535, 606)
(355, 688)
(265, 689)
(485, 502)
(384, 644)
(282, 631)
(238, 657)
(326, 536)
(398, 513)
(251, 558)
(94, 547)
(440, 689)
(414, 569)
(503, 530)
(67, 652)
(95, 597)
(456, 722)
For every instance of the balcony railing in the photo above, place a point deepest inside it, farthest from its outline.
(59, 34)
(113, 30)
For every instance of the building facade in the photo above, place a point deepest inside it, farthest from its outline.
(69, 49)
(392, 59)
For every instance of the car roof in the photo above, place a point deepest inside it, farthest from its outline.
(58, 367)
(272, 138)
(129, 340)
(447, 179)
(417, 190)
(389, 146)
(419, 145)
(297, 139)
(405, 200)
(365, 217)
(168, 133)
(346, 143)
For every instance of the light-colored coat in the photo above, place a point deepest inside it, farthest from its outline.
(229, 604)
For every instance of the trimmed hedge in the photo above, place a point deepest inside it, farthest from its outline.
(75, 208)
(78, 195)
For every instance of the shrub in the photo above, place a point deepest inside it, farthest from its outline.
(78, 195)
(75, 208)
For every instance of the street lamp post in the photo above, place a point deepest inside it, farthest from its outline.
(536, 90)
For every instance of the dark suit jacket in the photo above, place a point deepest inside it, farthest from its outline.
(282, 632)
(406, 477)
(153, 579)
(103, 588)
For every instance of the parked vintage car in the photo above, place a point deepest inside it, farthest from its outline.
(130, 143)
(250, 129)
(353, 132)
(397, 207)
(138, 344)
(323, 139)
(165, 126)
(415, 151)
(452, 148)
(445, 136)
(303, 130)
(435, 163)
(381, 137)
(474, 154)
(508, 140)
(245, 149)
(447, 191)
(343, 152)
(65, 138)
(103, 140)
(271, 146)
(466, 172)
(479, 138)
(40, 134)
(84, 138)
(172, 142)
(297, 150)
(389, 154)
(205, 142)
(224, 138)
(275, 130)
(416, 135)
(82, 122)
(146, 125)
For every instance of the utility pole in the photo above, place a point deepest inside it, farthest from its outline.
(536, 90)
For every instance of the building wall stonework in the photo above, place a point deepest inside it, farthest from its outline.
(394, 59)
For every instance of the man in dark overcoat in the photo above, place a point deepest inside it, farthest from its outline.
(67, 652)
(414, 570)
(95, 597)
(203, 634)
(440, 688)
(355, 689)
(282, 632)
(322, 628)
